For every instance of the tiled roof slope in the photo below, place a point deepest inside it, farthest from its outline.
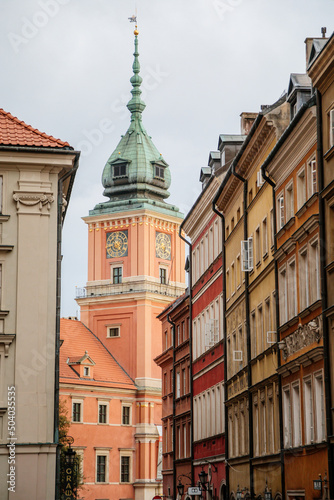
(77, 339)
(14, 132)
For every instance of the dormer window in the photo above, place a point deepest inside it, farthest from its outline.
(86, 371)
(120, 170)
(159, 172)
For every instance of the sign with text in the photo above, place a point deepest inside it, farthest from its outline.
(194, 490)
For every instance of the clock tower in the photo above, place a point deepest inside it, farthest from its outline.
(135, 268)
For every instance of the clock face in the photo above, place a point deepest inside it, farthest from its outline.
(162, 245)
(117, 244)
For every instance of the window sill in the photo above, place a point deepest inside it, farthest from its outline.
(328, 155)
(306, 205)
(310, 308)
(258, 264)
(4, 218)
(284, 228)
(265, 256)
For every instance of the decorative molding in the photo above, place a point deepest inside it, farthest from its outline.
(31, 199)
(305, 335)
(6, 339)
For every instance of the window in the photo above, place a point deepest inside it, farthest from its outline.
(282, 287)
(264, 237)
(272, 229)
(113, 331)
(258, 245)
(331, 128)
(117, 275)
(319, 407)
(120, 170)
(101, 463)
(184, 381)
(250, 196)
(287, 417)
(183, 331)
(290, 211)
(303, 279)
(314, 271)
(238, 272)
(102, 413)
(76, 411)
(280, 211)
(125, 469)
(86, 371)
(159, 172)
(301, 188)
(163, 275)
(232, 278)
(253, 333)
(126, 411)
(215, 239)
(232, 223)
(308, 411)
(1, 194)
(297, 440)
(261, 341)
(312, 177)
(292, 289)
(238, 214)
(166, 339)
(178, 385)
(247, 254)
(184, 431)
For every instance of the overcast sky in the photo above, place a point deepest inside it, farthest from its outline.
(66, 65)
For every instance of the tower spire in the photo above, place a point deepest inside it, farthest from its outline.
(136, 106)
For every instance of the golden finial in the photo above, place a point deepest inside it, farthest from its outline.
(136, 32)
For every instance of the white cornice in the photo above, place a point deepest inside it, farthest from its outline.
(201, 212)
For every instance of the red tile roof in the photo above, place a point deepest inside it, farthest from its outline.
(14, 132)
(77, 339)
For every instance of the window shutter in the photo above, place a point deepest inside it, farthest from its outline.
(244, 255)
(250, 254)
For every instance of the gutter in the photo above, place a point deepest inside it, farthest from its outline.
(60, 218)
(324, 300)
(280, 393)
(222, 217)
(248, 333)
(190, 354)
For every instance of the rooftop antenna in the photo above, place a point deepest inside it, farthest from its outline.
(323, 32)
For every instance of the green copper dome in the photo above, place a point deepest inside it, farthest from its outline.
(135, 175)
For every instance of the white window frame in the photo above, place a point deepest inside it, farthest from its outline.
(308, 409)
(331, 128)
(102, 403)
(287, 424)
(264, 236)
(125, 453)
(100, 452)
(312, 177)
(247, 255)
(291, 288)
(301, 187)
(289, 196)
(77, 401)
(283, 290)
(319, 413)
(127, 405)
(296, 414)
(113, 327)
(314, 269)
(304, 296)
(280, 210)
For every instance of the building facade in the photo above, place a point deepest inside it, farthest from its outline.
(36, 176)
(176, 396)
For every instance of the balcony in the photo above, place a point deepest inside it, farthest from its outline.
(129, 286)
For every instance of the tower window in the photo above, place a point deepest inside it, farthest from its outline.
(86, 371)
(120, 170)
(113, 331)
(163, 275)
(117, 275)
(159, 172)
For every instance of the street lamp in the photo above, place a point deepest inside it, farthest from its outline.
(203, 477)
(180, 488)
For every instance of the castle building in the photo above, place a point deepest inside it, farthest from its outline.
(135, 268)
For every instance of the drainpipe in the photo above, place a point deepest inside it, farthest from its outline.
(190, 353)
(322, 230)
(174, 433)
(222, 217)
(248, 336)
(280, 397)
(60, 218)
